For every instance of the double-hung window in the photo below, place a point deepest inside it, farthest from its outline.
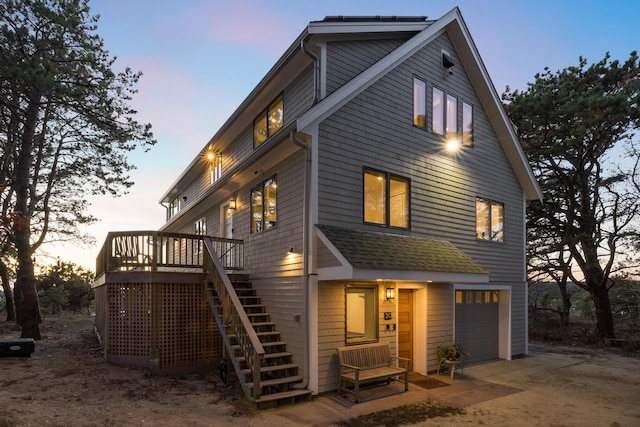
(263, 206)
(489, 220)
(268, 121)
(386, 199)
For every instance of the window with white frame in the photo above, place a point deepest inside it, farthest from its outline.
(200, 229)
(216, 167)
(489, 220)
(361, 308)
(263, 206)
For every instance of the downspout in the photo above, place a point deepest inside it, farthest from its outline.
(316, 74)
(306, 245)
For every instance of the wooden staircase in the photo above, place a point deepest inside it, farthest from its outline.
(278, 374)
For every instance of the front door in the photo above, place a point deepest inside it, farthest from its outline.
(405, 324)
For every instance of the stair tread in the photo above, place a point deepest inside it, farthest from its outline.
(272, 368)
(283, 395)
(277, 381)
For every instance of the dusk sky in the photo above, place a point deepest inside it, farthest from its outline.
(201, 58)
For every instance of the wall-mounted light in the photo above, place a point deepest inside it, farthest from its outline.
(232, 204)
(390, 294)
(184, 198)
(290, 250)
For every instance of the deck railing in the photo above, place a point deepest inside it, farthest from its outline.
(161, 251)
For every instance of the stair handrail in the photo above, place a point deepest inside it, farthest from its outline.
(235, 315)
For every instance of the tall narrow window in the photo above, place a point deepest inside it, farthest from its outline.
(268, 121)
(361, 314)
(386, 199)
(438, 111)
(467, 124)
(452, 116)
(398, 202)
(375, 196)
(200, 228)
(419, 103)
(489, 220)
(263, 206)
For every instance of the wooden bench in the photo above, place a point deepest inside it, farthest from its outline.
(367, 363)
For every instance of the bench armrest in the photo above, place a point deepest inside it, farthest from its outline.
(402, 359)
(344, 365)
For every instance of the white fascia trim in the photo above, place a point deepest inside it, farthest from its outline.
(335, 273)
(364, 27)
(421, 276)
(365, 79)
(534, 190)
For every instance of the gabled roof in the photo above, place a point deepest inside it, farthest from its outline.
(453, 24)
(370, 255)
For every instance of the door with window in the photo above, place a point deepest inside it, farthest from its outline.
(227, 255)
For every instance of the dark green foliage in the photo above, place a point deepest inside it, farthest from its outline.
(65, 286)
(575, 125)
(66, 128)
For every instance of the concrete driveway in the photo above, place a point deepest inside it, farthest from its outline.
(557, 386)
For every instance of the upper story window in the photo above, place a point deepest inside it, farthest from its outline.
(200, 228)
(489, 220)
(445, 113)
(386, 199)
(263, 206)
(268, 121)
(419, 103)
(467, 124)
(215, 164)
(173, 208)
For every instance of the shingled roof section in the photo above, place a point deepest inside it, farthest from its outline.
(386, 251)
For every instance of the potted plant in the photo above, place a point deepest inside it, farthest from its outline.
(451, 355)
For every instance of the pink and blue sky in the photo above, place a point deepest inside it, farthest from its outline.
(201, 58)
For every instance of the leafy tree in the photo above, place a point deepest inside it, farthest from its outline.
(65, 286)
(66, 128)
(574, 125)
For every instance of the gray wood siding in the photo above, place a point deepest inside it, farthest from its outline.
(439, 321)
(331, 329)
(347, 59)
(297, 96)
(376, 130)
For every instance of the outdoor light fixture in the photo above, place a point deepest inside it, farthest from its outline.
(232, 204)
(391, 294)
(453, 145)
(290, 250)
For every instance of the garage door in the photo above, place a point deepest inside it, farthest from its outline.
(477, 324)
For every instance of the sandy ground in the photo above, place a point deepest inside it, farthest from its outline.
(67, 383)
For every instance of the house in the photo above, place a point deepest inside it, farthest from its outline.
(378, 192)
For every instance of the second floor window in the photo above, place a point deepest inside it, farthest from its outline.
(419, 103)
(386, 199)
(467, 124)
(263, 206)
(268, 122)
(445, 113)
(489, 220)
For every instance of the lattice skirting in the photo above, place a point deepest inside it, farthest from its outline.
(162, 326)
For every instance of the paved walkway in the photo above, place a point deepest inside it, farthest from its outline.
(477, 384)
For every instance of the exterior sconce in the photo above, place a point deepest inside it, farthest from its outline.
(232, 204)
(290, 250)
(390, 294)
